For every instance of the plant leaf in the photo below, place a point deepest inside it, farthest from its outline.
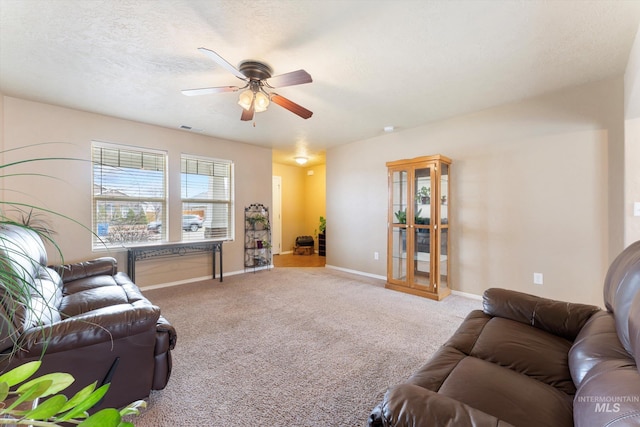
(133, 408)
(20, 373)
(108, 417)
(47, 409)
(4, 391)
(59, 381)
(36, 390)
(87, 403)
(80, 396)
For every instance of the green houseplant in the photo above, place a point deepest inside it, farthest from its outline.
(424, 195)
(45, 404)
(57, 408)
(258, 222)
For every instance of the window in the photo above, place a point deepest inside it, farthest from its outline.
(129, 194)
(207, 198)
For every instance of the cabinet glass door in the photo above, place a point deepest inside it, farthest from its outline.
(423, 232)
(399, 191)
(397, 263)
(399, 254)
(443, 206)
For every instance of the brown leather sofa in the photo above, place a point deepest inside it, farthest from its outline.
(530, 361)
(86, 319)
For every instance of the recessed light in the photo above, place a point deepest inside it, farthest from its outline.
(389, 128)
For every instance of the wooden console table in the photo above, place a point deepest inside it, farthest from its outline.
(138, 253)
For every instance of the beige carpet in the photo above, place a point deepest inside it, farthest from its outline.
(292, 347)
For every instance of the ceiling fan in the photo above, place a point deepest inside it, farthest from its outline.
(258, 78)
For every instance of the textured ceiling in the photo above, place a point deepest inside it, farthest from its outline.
(373, 63)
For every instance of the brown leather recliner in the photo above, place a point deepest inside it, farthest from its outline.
(85, 319)
(530, 361)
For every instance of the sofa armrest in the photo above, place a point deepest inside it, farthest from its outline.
(409, 405)
(97, 326)
(164, 327)
(165, 342)
(560, 318)
(80, 270)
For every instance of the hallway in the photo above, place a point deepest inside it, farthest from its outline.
(291, 260)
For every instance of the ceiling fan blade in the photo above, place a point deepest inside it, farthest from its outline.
(290, 79)
(209, 90)
(247, 115)
(291, 106)
(222, 62)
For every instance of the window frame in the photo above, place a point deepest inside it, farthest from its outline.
(97, 241)
(229, 201)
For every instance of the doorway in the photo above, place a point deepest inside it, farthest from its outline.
(276, 227)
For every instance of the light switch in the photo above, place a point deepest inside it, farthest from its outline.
(636, 209)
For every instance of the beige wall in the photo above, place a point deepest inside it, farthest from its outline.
(632, 143)
(68, 189)
(632, 179)
(303, 201)
(531, 192)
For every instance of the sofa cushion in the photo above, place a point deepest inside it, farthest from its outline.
(621, 284)
(597, 342)
(24, 249)
(409, 405)
(508, 395)
(491, 360)
(46, 296)
(433, 373)
(526, 350)
(94, 267)
(514, 345)
(87, 283)
(609, 395)
(557, 317)
(634, 326)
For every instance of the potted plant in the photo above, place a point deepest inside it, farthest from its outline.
(262, 244)
(22, 401)
(258, 222)
(21, 404)
(424, 195)
(322, 237)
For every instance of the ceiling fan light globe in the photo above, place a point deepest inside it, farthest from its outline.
(245, 99)
(261, 102)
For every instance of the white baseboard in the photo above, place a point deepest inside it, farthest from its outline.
(467, 295)
(375, 276)
(176, 283)
(361, 273)
(200, 279)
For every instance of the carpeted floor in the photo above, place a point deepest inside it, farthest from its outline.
(292, 347)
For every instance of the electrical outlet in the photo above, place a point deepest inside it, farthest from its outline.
(537, 278)
(376, 255)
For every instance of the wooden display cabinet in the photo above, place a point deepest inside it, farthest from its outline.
(418, 244)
